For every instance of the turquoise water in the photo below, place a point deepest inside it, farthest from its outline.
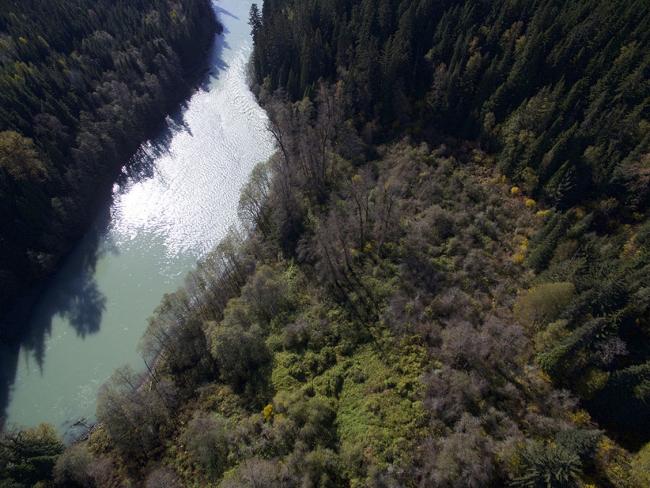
(173, 202)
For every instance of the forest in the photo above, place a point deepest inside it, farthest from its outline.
(82, 84)
(442, 276)
(558, 92)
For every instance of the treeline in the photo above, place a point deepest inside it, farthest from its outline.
(559, 92)
(82, 83)
(559, 89)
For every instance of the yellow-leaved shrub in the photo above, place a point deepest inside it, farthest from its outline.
(543, 303)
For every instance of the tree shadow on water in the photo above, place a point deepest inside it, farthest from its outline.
(142, 164)
(71, 295)
(216, 63)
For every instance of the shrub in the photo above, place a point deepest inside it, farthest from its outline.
(266, 293)
(580, 441)
(134, 417)
(315, 418)
(72, 468)
(321, 467)
(207, 442)
(237, 314)
(641, 466)
(549, 466)
(549, 336)
(256, 473)
(163, 477)
(463, 459)
(239, 353)
(543, 303)
(28, 456)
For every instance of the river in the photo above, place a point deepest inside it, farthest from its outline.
(174, 200)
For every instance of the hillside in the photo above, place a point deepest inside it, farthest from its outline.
(442, 275)
(559, 93)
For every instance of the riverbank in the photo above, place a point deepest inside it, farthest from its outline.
(14, 311)
(164, 214)
(95, 159)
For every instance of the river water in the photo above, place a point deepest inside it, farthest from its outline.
(173, 202)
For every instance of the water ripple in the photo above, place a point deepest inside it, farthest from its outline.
(174, 201)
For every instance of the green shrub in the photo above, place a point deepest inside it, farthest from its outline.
(28, 456)
(549, 336)
(543, 304)
(641, 466)
(267, 294)
(549, 466)
(240, 354)
(580, 441)
(321, 467)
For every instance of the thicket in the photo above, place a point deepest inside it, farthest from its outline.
(558, 92)
(82, 83)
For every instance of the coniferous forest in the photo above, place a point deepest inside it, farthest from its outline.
(82, 83)
(443, 275)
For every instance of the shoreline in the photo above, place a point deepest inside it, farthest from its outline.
(18, 306)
